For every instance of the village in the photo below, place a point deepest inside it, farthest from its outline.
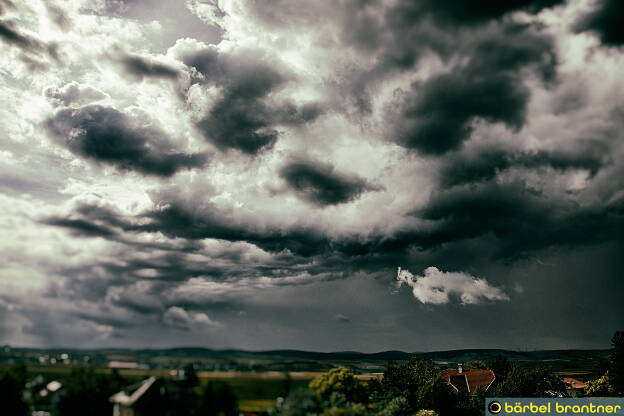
(65, 382)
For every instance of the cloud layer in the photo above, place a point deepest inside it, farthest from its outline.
(235, 171)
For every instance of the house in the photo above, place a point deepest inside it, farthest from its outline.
(468, 381)
(44, 396)
(139, 399)
(573, 386)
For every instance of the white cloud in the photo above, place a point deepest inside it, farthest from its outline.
(436, 287)
(178, 317)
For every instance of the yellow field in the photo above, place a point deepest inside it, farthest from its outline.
(254, 406)
(207, 375)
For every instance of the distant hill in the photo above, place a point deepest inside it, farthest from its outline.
(451, 356)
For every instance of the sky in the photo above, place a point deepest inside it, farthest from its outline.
(360, 175)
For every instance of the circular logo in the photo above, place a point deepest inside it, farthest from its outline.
(495, 407)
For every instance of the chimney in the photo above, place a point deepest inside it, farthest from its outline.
(460, 368)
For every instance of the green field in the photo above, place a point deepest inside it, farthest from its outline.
(258, 378)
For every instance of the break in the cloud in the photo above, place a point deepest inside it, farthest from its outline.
(438, 287)
(172, 165)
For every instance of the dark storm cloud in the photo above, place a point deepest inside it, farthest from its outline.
(81, 227)
(522, 219)
(176, 221)
(436, 117)
(241, 119)
(485, 164)
(410, 28)
(320, 184)
(10, 35)
(140, 67)
(34, 52)
(106, 135)
(605, 20)
(470, 12)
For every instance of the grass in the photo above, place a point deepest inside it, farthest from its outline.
(255, 406)
(260, 389)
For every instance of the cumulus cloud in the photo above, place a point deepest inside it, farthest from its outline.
(437, 287)
(74, 93)
(179, 318)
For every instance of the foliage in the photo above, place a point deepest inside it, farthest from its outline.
(530, 382)
(438, 395)
(217, 398)
(374, 390)
(475, 365)
(301, 402)
(12, 382)
(616, 361)
(406, 380)
(501, 366)
(599, 368)
(86, 393)
(601, 387)
(409, 388)
(352, 409)
(397, 406)
(190, 377)
(341, 381)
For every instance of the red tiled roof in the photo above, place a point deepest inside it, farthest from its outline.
(572, 383)
(468, 381)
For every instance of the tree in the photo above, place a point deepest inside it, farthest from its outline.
(475, 365)
(190, 380)
(501, 366)
(601, 387)
(407, 379)
(530, 382)
(438, 395)
(352, 409)
(301, 402)
(616, 361)
(600, 367)
(398, 406)
(12, 382)
(217, 398)
(86, 393)
(341, 381)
